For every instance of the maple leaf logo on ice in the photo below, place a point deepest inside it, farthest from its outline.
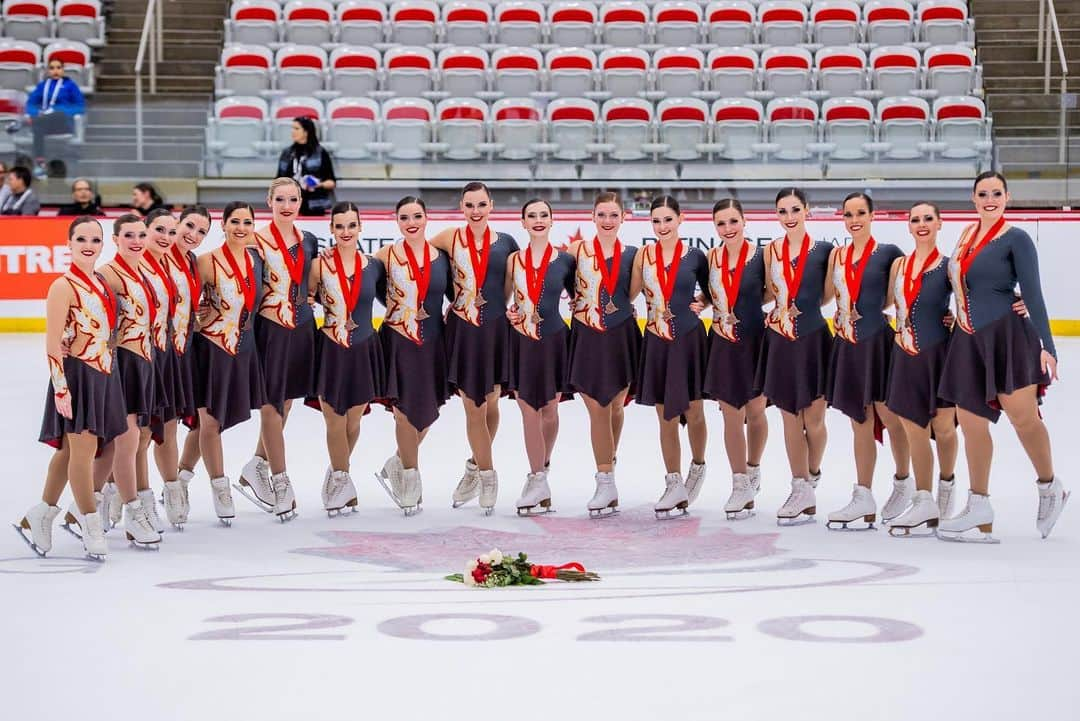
(576, 236)
(634, 539)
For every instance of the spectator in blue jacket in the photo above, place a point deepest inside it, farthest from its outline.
(52, 106)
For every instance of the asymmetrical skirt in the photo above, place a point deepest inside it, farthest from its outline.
(97, 406)
(914, 383)
(228, 386)
(859, 373)
(477, 357)
(602, 363)
(792, 373)
(538, 367)
(731, 376)
(672, 373)
(415, 377)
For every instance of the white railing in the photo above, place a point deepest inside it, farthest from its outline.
(151, 38)
(1050, 33)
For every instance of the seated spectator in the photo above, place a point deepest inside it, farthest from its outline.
(83, 200)
(52, 106)
(309, 163)
(20, 199)
(145, 197)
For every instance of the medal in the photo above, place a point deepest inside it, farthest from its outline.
(731, 280)
(853, 277)
(479, 261)
(421, 276)
(666, 278)
(534, 279)
(294, 266)
(349, 291)
(913, 283)
(608, 278)
(793, 276)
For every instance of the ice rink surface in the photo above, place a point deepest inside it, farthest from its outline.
(696, 618)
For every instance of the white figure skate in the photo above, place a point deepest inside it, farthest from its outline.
(412, 492)
(223, 500)
(185, 477)
(977, 514)
(945, 496)
(137, 527)
(339, 494)
(800, 506)
(93, 537)
(489, 490)
(695, 479)
(285, 499)
(73, 519)
(1052, 500)
(861, 507)
(150, 505)
(111, 505)
(900, 498)
(535, 496)
(36, 527)
(468, 487)
(920, 519)
(674, 499)
(743, 491)
(256, 485)
(172, 497)
(605, 501)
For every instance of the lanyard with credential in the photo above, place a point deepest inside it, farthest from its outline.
(56, 93)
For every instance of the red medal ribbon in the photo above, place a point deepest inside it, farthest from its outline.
(479, 259)
(296, 267)
(609, 279)
(552, 571)
(245, 284)
(151, 297)
(664, 277)
(104, 292)
(732, 279)
(194, 282)
(534, 277)
(421, 276)
(166, 278)
(913, 281)
(793, 277)
(853, 271)
(351, 292)
(971, 250)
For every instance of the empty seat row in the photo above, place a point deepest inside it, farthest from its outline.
(617, 72)
(620, 23)
(22, 63)
(624, 129)
(43, 21)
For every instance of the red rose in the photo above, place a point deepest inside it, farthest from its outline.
(478, 575)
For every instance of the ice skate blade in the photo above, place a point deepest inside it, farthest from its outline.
(985, 538)
(23, 534)
(1064, 500)
(606, 512)
(795, 521)
(151, 546)
(343, 511)
(488, 511)
(666, 514)
(411, 511)
(927, 531)
(263, 506)
(845, 527)
(178, 527)
(740, 515)
(459, 504)
(542, 508)
(288, 515)
(96, 557)
(226, 521)
(73, 529)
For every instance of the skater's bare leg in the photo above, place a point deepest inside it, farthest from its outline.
(352, 425)
(922, 455)
(272, 433)
(408, 440)
(478, 432)
(260, 447)
(337, 440)
(80, 474)
(103, 465)
(210, 444)
(865, 449)
(601, 432)
(734, 438)
(142, 460)
(124, 461)
(191, 454)
(697, 431)
(978, 448)
(617, 405)
(813, 417)
(1022, 408)
(670, 446)
(944, 425)
(795, 444)
(56, 477)
(898, 444)
(166, 454)
(533, 429)
(549, 416)
(491, 401)
(757, 430)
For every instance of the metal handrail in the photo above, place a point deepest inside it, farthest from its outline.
(150, 38)
(1050, 31)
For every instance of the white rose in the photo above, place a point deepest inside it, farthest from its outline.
(467, 577)
(485, 558)
(496, 556)
(471, 566)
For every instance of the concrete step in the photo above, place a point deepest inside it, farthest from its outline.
(137, 171)
(195, 20)
(189, 116)
(176, 51)
(1025, 53)
(101, 133)
(126, 150)
(1023, 101)
(1017, 21)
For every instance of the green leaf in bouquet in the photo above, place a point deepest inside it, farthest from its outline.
(456, 577)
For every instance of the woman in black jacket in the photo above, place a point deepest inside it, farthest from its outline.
(310, 165)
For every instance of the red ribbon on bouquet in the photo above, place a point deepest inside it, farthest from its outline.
(552, 571)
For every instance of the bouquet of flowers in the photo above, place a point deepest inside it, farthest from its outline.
(493, 569)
